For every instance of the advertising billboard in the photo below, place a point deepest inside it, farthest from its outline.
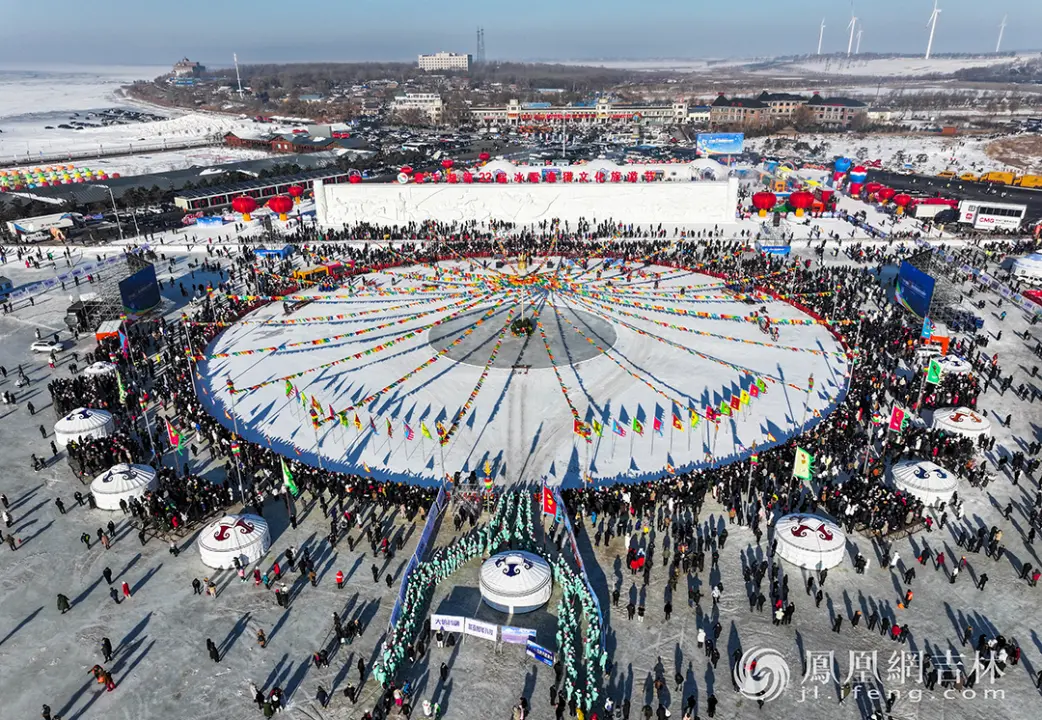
(914, 289)
(720, 143)
(140, 291)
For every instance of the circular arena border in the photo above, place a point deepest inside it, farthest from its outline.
(388, 440)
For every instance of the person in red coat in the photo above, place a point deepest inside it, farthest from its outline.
(339, 579)
(126, 589)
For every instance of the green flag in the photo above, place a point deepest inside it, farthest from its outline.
(287, 479)
(122, 389)
(933, 373)
(803, 466)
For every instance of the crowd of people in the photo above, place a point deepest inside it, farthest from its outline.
(852, 445)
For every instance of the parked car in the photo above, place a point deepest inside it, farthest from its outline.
(47, 346)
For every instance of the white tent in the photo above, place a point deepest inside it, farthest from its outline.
(82, 424)
(955, 364)
(122, 482)
(810, 541)
(962, 421)
(99, 368)
(927, 481)
(516, 582)
(234, 536)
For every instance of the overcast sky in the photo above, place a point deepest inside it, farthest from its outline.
(121, 31)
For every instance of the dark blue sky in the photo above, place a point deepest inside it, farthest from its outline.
(121, 31)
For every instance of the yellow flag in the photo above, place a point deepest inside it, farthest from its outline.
(425, 431)
(745, 397)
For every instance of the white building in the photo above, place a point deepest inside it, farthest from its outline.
(445, 61)
(428, 103)
(603, 112)
(684, 201)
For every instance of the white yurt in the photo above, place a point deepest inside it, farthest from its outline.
(83, 424)
(234, 536)
(810, 541)
(99, 368)
(516, 582)
(122, 482)
(927, 481)
(962, 421)
(955, 364)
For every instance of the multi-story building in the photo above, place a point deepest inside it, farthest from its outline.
(768, 109)
(698, 114)
(738, 112)
(445, 61)
(602, 112)
(781, 105)
(835, 111)
(187, 68)
(428, 103)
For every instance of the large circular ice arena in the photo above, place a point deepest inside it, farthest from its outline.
(526, 369)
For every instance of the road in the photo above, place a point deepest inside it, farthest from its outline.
(931, 186)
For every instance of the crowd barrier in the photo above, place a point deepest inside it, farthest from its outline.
(429, 528)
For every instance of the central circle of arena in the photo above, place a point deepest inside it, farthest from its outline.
(520, 368)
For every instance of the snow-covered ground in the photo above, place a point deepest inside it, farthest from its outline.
(888, 67)
(927, 154)
(158, 162)
(161, 668)
(30, 101)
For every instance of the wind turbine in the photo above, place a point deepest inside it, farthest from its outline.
(850, 27)
(857, 48)
(932, 23)
(821, 35)
(998, 45)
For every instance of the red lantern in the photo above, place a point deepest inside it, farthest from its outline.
(800, 201)
(764, 201)
(873, 187)
(447, 163)
(484, 157)
(244, 205)
(296, 192)
(354, 179)
(902, 200)
(281, 204)
(886, 194)
(406, 169)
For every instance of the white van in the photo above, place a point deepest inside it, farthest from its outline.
(1028, 269)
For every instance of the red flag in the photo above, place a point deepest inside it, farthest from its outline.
(657, 426)
(736, 402)
(549, 503)
(897, 419)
